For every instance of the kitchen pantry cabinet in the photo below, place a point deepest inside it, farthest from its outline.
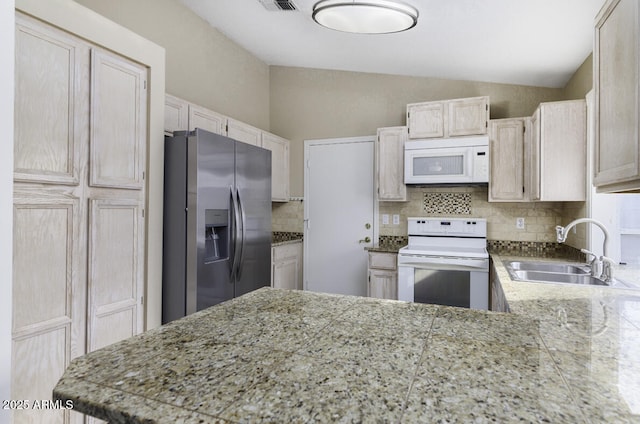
(448, 118)
(509, 157)
(559, 151)
(180, 114)
(617, 95)
(383, 275)
(79, 192)
(389, 153)
(286, 266)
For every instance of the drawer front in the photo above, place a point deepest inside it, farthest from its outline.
(383, 260)
(285, 251)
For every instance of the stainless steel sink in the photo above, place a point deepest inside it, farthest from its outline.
(552, 277)
(548, 267)
(559, 273)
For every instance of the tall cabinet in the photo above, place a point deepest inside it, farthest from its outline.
(79, 194)
(617, 97)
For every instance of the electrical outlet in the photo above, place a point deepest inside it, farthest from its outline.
(396, 219)
(520, 223)
(385, 219)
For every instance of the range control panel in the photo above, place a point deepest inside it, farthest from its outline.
(455, 227)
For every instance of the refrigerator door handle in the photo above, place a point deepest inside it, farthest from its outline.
(235, 235)
(243, 222)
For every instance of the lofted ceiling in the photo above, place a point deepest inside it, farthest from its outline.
(527, 42)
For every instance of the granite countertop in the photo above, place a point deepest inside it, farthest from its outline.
(568, 355)
(592, 334)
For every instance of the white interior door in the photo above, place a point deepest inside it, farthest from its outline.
(340, 213)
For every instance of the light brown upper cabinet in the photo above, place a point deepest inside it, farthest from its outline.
(559, 151)
(617, 97)
(180, 115)
(389, 163)
(279, 148)
(448, 118)
(509, 156)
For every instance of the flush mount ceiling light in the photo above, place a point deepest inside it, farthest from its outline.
(366, 16)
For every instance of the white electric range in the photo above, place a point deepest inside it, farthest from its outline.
(446, 262)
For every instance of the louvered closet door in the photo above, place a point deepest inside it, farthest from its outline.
(49, 217)
(116, 199)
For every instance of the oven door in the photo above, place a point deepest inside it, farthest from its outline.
(462, 282)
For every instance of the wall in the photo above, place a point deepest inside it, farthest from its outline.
(315, 104)
(202, 66)
(581, 82)
(7, 20)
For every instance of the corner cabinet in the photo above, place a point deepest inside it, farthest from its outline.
(448, 118)
(559, 151)
(617, 96)
(383, 275)
(286, 266)
(509, 156)
(389, 162)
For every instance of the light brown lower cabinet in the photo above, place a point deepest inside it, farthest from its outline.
(286, 266)
(382, 281)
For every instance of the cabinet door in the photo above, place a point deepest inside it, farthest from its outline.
(389, 152)
(116, 270)
(425, 120)
(559, 149)
(279, 166)
(616, 73)
(118, 130)
(383, 284)
(51, 66)
(206, 119)
(176, 114)
(243, 132)
(467, 116)
(48, 317)
(506, 153)
(285, 274)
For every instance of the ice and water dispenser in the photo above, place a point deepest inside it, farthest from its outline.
(216, 238)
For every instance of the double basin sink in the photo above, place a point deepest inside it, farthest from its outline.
(558, 273)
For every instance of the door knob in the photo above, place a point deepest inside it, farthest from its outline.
(367, 225)
(365, 240)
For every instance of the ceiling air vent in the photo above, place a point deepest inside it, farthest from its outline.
(276, 5)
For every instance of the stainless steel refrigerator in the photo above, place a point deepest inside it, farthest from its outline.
(217, 221)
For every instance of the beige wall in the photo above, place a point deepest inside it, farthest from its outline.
(316, 104)
(581, 82)
(203, 66)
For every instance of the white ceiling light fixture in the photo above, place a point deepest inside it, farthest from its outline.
(365, 16)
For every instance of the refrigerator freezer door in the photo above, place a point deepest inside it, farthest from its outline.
(209, 214)
(253, 184)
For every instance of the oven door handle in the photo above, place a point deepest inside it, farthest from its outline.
(444, 264)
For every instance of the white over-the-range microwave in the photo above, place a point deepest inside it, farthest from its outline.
(447, 160)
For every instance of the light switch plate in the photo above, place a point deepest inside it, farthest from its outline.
(520, 223)
(385, 219)
(396, 219)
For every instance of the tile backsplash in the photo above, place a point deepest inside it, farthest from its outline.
(540, 218)
(470, 201)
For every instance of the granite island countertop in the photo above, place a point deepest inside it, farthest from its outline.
(291, 356)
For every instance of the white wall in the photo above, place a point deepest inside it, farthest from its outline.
(7, 19)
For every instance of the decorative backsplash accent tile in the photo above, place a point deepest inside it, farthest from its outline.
(392, 242)
(281, 236)
(447, 203)
(535, 249)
